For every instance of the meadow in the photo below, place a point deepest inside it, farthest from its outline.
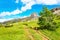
(25, 31)
(19, 32)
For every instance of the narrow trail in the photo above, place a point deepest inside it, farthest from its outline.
(28, 33)
(42, 35)
(38, 32)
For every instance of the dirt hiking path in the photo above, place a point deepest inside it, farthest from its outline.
(28, 33)
(38, 32)
(42, 35)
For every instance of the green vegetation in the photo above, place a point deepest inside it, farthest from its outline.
(18, 32)
(53, 35)
(13, 33)
(48, 24)
(35, 35)
(46, 20)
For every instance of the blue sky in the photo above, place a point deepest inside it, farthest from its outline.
(10, 9)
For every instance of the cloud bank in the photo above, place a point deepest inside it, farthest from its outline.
(17, 11)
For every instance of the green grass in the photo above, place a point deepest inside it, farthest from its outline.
(12, 34)
(35, 35)
(17, 32)
(53, 35)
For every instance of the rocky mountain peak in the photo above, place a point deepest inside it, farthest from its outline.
(56, 11)
(33, 15)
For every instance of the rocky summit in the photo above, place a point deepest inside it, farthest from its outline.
(56, 11)
(33, 16)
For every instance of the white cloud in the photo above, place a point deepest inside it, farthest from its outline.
(27, 6)
(17, 1)
(58, 2)
(17, 11)
(49, 2)
(38, 1)
(24, 17)
(46, 2)
(26, 1)
(3, 20)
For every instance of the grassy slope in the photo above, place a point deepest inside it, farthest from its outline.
(17, 32)
(35, 35)
(13, 33)
(53, 35)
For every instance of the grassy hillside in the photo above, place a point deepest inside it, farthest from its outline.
(53, 35)
(25, 31)
(18, 32)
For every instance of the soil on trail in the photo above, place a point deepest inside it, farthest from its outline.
(38, 32)
(42, 35)
(28, 33)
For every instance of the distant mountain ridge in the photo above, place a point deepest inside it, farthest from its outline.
(33, 16)
(56, 10)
